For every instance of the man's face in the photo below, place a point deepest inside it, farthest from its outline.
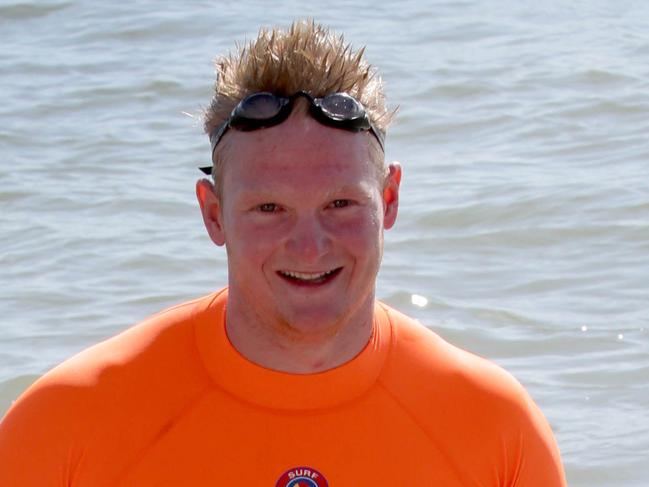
(302, 213)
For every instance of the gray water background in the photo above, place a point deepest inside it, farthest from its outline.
(524, 225)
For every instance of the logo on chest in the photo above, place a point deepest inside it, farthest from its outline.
(302, 477)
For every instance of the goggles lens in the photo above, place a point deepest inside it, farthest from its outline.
(260, 110)
(341, 106)
(258, 106)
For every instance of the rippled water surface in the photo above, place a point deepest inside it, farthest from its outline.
(524, 226)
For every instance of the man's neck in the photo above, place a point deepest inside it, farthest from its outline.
(278, 347)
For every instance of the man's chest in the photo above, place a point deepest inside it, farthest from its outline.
(225, 442)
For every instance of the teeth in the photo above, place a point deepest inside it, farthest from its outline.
(307, 276)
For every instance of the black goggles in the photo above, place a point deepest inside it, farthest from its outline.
(260, 110)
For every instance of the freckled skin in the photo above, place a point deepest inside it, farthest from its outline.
(300, 197)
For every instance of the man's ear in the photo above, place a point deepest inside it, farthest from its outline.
(391, 194)
(211, 210)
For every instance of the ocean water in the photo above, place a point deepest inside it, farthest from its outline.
(523, 232)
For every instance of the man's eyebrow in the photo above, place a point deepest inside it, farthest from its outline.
(356, 189)
(255, 194)
(261, 188)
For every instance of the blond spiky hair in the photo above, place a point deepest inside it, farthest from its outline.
(305, 57)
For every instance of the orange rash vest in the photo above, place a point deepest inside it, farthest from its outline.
(170, 402)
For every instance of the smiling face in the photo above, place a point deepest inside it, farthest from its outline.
(302, 213)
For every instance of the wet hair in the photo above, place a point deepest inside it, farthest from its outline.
(306, 57)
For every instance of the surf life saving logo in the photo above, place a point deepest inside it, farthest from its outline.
(302, 477)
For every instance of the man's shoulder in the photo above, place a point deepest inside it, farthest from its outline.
(152, 355)
(426, 369)
(110, 399)
(473, 409)
(162, 334)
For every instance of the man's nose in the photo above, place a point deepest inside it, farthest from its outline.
(309, 239)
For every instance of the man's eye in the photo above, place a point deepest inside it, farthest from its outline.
(267, 207)
(340, 203)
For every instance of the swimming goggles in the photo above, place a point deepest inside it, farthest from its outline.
(261, 110)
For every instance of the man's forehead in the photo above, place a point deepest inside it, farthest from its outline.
(332, 188)
(294, 152)
(290, 172)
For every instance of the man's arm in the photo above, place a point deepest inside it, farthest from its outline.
(35, 439)
(539, 460)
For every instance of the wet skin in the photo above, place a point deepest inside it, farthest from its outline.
(302, 213)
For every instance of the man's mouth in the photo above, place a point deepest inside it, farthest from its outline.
(309, 278)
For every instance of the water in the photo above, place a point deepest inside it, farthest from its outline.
(524, 225)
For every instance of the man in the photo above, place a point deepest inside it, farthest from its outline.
(293, 375)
